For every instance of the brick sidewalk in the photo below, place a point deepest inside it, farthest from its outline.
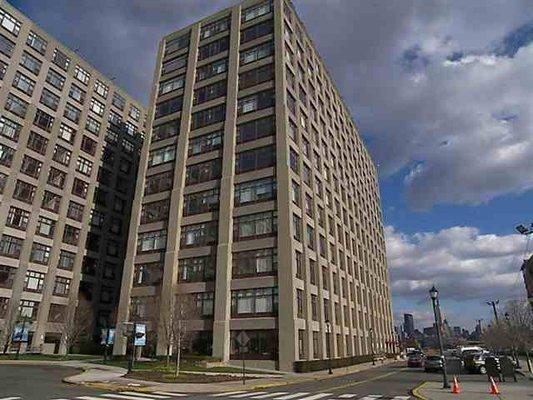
(521, 390)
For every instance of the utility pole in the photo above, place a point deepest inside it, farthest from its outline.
(493, 304)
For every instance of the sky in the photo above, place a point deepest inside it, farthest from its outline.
(441, 92)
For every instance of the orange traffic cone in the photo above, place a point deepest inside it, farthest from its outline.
(493, 388)
(455, 387)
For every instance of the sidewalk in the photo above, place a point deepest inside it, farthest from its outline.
(112, 378)
(475, 391)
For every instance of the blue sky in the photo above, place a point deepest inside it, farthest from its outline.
(441, 92)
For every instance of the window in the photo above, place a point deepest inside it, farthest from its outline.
(7, 275)
(255, 226)
(71, 235)
(204, 304)
(49, 99)
(255, 159)
(9, 22)
(61, 59)
(101, 88)
(257, 53)
(166, 130)
(201, 202)
(198, 269)
(36, 42)
(72, 113)
(31, 167)
(168, 107)
(28, 309)
(24, 192)
(97, 107)
(3, 181)
(43, 120)
(297, 227)
(10, 246)
(66, 260)
(147, 274)
(256, 102)
(82, 75)
(57, 178)
(34, 281)
(308, 205)
(37, 143)
(156, 211)
(61, 286)
(213, 48)
(257, 30)
(78, 94)
(314, 307)
(176, 44)
(299, 303)
(263, 344)
(293, 161)
(310, 236)
(174, 64)
(88, 145)
(172, 84)
(3, 69)
(210, 92)
(158, 183)
(254, 302)
(30, 63)
(135, 113)
(67, 133)
(204, 234)
(23, 83)
(57, 313)
(118, 101)
(51, 201)
(55, 79)
(16, 105)
(93, 125)
(212, 69)
(316, 345)
(97, 218)
(255, 263)
(214, 27)
(256, 76)
(61, 155)
(6, 46)
(209, 116)
(6, 155)
(205, 143)
(80, 188)
(256, 129)
(203, 172)
(162, 155)
(75, 211)
(255, 191)
(152, 241)
(84, 166)
(295, 193)
(18, 218)
(40, 253)
(4, 301)
(10, 129)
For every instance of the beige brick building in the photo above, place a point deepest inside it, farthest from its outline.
(256, 199)
(69, 144)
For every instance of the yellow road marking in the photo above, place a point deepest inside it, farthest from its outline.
(416, 392)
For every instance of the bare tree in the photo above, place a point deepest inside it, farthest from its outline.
(7, 333)
(78, 323)
(519, 326)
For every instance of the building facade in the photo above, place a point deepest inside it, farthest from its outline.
(527, 273)
(257, 202)
(408, 325)
(69, 144)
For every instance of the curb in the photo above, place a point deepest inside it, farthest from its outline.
(415, 391)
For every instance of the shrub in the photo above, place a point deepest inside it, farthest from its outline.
(319, 365)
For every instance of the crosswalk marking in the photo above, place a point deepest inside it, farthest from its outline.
(291, 396)
(153, 396)
(228, 393)
(170, 394)
(316, 396)
(347, 396)
(124, 397)
(372, 397)
(246, 394)
(401, 397)
(266, 396)
(10, 398)
(89, 398)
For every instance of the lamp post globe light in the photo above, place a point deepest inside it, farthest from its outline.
(328, 345)
(434, 295)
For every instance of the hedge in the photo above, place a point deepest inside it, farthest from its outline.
(318, 365)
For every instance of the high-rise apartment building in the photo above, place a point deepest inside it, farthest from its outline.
(256, 201)
(69, 145)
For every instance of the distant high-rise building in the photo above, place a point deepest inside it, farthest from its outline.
(257, 200)
(69, 146)
(408, 325)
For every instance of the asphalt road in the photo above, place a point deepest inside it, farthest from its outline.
(388, 382)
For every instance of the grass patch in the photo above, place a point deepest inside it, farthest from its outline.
(168, 377)
(48, 357)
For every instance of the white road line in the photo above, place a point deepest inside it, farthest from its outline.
(347, 396)
(227, 393)
(171, 394)
(246, 394)
(266, 396)
(10, 398)
(139, 394)
(372, 397)
(401, 397)
(121, 396)
(291, 396)
(316, 396)
(89, 398)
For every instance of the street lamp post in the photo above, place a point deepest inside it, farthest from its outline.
(328, 344)
(371, 331)
(434, 294)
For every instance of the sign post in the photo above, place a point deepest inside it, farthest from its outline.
(107, 338)
(20, 334)
(242, 341)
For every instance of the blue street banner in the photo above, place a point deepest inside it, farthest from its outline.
(20, 333)
(140, 335)
(107, 336)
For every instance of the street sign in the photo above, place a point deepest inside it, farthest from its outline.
(242, 339)
(107, 336)
(20, 333)
(140, 335)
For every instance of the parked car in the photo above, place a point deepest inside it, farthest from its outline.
(474, 363)
(433, 363)
(415, 360)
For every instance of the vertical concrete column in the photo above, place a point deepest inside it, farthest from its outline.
(222, 312)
